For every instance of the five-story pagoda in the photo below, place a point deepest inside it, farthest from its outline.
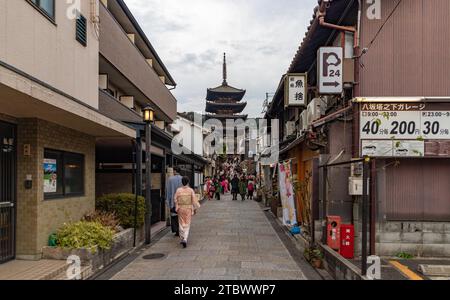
(225, 102)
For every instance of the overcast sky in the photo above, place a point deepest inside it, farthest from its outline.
(260, 38)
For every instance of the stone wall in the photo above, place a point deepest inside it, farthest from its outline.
(423, 239)
(38, 218)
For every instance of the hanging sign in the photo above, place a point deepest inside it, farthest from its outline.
(295, 90)
(329, 63)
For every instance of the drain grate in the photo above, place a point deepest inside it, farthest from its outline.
(154, 256)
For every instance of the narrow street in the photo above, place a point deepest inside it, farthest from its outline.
(229, 240)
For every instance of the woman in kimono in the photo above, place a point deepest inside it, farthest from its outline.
(186, 205)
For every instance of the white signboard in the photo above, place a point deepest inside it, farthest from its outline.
(296, 90)
(377, 148)
(330, 62)
(393, 148)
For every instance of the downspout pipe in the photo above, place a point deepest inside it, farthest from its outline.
(321, 14)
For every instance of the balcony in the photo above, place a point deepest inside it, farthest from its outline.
(125, 58)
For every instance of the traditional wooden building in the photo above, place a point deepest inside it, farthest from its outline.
(406, 207)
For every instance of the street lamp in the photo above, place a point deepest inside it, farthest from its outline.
(149, 118)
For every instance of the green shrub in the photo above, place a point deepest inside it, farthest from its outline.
(85, 235)
(404, 255)
(122, 205)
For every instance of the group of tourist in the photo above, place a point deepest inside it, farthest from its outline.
(239, 185)
(183, 202)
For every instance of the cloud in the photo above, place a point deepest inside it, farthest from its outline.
(259, 36)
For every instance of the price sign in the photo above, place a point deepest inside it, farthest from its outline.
(414, 124)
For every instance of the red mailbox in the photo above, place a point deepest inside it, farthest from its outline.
(334, 232)
(347, 241)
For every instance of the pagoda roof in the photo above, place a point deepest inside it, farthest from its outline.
(213, 107)
(225, 91)
(225, 117)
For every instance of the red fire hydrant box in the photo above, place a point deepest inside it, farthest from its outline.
(347, 249)
(334, 232)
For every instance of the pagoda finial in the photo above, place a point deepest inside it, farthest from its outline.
(225, 69)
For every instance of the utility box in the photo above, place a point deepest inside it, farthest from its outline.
(355, 186)
(347, 249)
(334, 232)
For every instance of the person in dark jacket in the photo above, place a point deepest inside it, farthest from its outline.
(235, 187)
(243, 187)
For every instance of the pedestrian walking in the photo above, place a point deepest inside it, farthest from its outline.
(208, 187)
(186, 205)
(243, 188)
(226, 186)
(173, 183)
(223, 185)
(235, 187)
(251, 189)
(217, 188)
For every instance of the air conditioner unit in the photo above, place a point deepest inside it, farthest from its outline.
(303, 123)
(290, 128)
(316, 109)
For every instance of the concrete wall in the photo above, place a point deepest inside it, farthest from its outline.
(33, 44)
(38, 218)
(119, 51)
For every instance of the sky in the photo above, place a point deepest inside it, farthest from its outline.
(260, 38)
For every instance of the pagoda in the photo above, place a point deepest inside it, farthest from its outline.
(225, 102)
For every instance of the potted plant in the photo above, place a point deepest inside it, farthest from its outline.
(314, 256)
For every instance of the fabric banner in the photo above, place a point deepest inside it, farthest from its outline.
(287, 194)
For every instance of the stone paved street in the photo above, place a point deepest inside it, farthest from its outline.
(230, 240)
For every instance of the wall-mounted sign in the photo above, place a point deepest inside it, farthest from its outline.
(296, 90)
(330, 68)
(404, 129)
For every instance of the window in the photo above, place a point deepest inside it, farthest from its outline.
(47, 7)
(63, 174)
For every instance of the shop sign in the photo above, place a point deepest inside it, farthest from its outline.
(296, 90)
(402, 129)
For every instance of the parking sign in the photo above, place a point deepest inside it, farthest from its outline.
(330, 61)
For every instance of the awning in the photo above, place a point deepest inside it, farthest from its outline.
(22, 96)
